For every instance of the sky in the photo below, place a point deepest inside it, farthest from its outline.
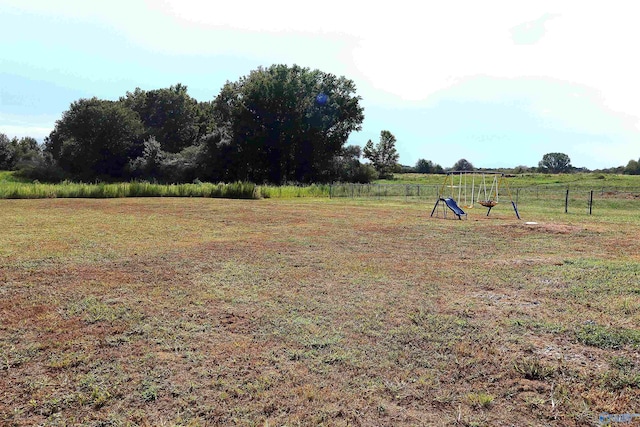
(498, 82)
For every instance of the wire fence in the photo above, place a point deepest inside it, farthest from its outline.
(409, 192)
(569, 199)
(557, 198)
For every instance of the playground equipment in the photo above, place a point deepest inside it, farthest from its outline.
(471, 188)
(451, 204)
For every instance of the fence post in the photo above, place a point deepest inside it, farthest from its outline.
(566, 202)
(591, 202)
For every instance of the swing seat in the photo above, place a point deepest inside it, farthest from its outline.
(488, 203)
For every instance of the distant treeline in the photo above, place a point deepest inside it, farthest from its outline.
(550, 163)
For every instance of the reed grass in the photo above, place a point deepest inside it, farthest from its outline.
(18, 190)
(295, 191)
(13, 187)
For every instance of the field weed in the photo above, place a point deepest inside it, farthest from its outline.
(607, 337)
(480, 400)
(623, 373)
(149, 391)
(93, 310)
(533, 368)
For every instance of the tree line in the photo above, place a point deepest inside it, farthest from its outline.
(550, 163)
(17, 153)
(277, 125)
(282, 124)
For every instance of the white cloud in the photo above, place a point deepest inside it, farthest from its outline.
(531, 32)
(406, 49)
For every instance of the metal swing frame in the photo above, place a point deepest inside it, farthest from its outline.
(490, 199)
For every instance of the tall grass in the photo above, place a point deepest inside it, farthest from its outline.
(294, 191)
(11, 176)
(17, 190)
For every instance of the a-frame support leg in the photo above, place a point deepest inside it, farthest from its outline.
(515, 209)
(435, 207)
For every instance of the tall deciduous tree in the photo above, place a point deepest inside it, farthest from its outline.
(555, 163)
(27, 151)
(383, 155)
(95, 139)
(287, 123)
(7, 153)
(632, 168)
(170, 116)
(427, 166)
(463, 165)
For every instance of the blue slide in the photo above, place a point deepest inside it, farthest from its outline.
(454, 207)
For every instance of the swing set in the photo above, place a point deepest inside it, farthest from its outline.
(483, 188)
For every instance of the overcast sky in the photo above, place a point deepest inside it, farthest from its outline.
(499, 83)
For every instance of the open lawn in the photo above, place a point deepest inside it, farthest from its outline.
(198, 311)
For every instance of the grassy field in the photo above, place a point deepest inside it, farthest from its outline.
(196, 311)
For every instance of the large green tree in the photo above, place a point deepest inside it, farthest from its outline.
(96, 139)
(285, 123)
(27, 151)
(427, 166)
(383, 156)
(463, 165)
(555, 163)
(16, 153)
(632, 168)
(7, 153)
(170, 116)
(348, 168)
